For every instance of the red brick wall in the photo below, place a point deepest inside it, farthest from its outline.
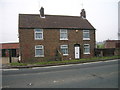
(51, 43)
(110, 44)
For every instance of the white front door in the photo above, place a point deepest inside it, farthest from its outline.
(77, 52)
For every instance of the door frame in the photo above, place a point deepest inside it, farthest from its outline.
(77, 45)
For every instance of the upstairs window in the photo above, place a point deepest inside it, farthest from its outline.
(64, 49)
(39, 51)
(38, 34)
(86, 49)
(86, 35)
(63, 34)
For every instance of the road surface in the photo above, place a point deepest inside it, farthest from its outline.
(87, 75)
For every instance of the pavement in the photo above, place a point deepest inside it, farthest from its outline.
(4, 62)
(5, 66)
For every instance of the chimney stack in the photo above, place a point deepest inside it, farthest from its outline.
(83, 14)
(42, 12)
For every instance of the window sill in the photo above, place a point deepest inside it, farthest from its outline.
(63, 39)
(86, 53)
(40, 56)
(65, 54)
(39, 39)
(86, 38)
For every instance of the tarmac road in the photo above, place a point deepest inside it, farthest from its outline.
(88, 75)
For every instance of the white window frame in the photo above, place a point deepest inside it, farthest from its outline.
(61, 32)
(88, 47)
(35, 32)
(39, 47)
(64, 47)
(88, 32)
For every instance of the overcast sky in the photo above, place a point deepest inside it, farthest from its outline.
(102, 14)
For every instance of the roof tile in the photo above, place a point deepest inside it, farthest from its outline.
(53, 21)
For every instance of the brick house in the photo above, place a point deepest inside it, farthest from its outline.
(111, 48)
(55, 37)
(112, 44)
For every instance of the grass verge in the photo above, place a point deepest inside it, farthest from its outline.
(18, 64)
(67, 61)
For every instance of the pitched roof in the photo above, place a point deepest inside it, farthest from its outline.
(9, 45)
(53, 21)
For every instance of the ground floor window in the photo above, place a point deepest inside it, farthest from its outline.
(3, 53)
(39, 51)
(86, 49)
(6, 52)
(14, 53)
(64, 49)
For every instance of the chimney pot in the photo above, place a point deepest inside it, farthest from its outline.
(42, 12)
(83, 13)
